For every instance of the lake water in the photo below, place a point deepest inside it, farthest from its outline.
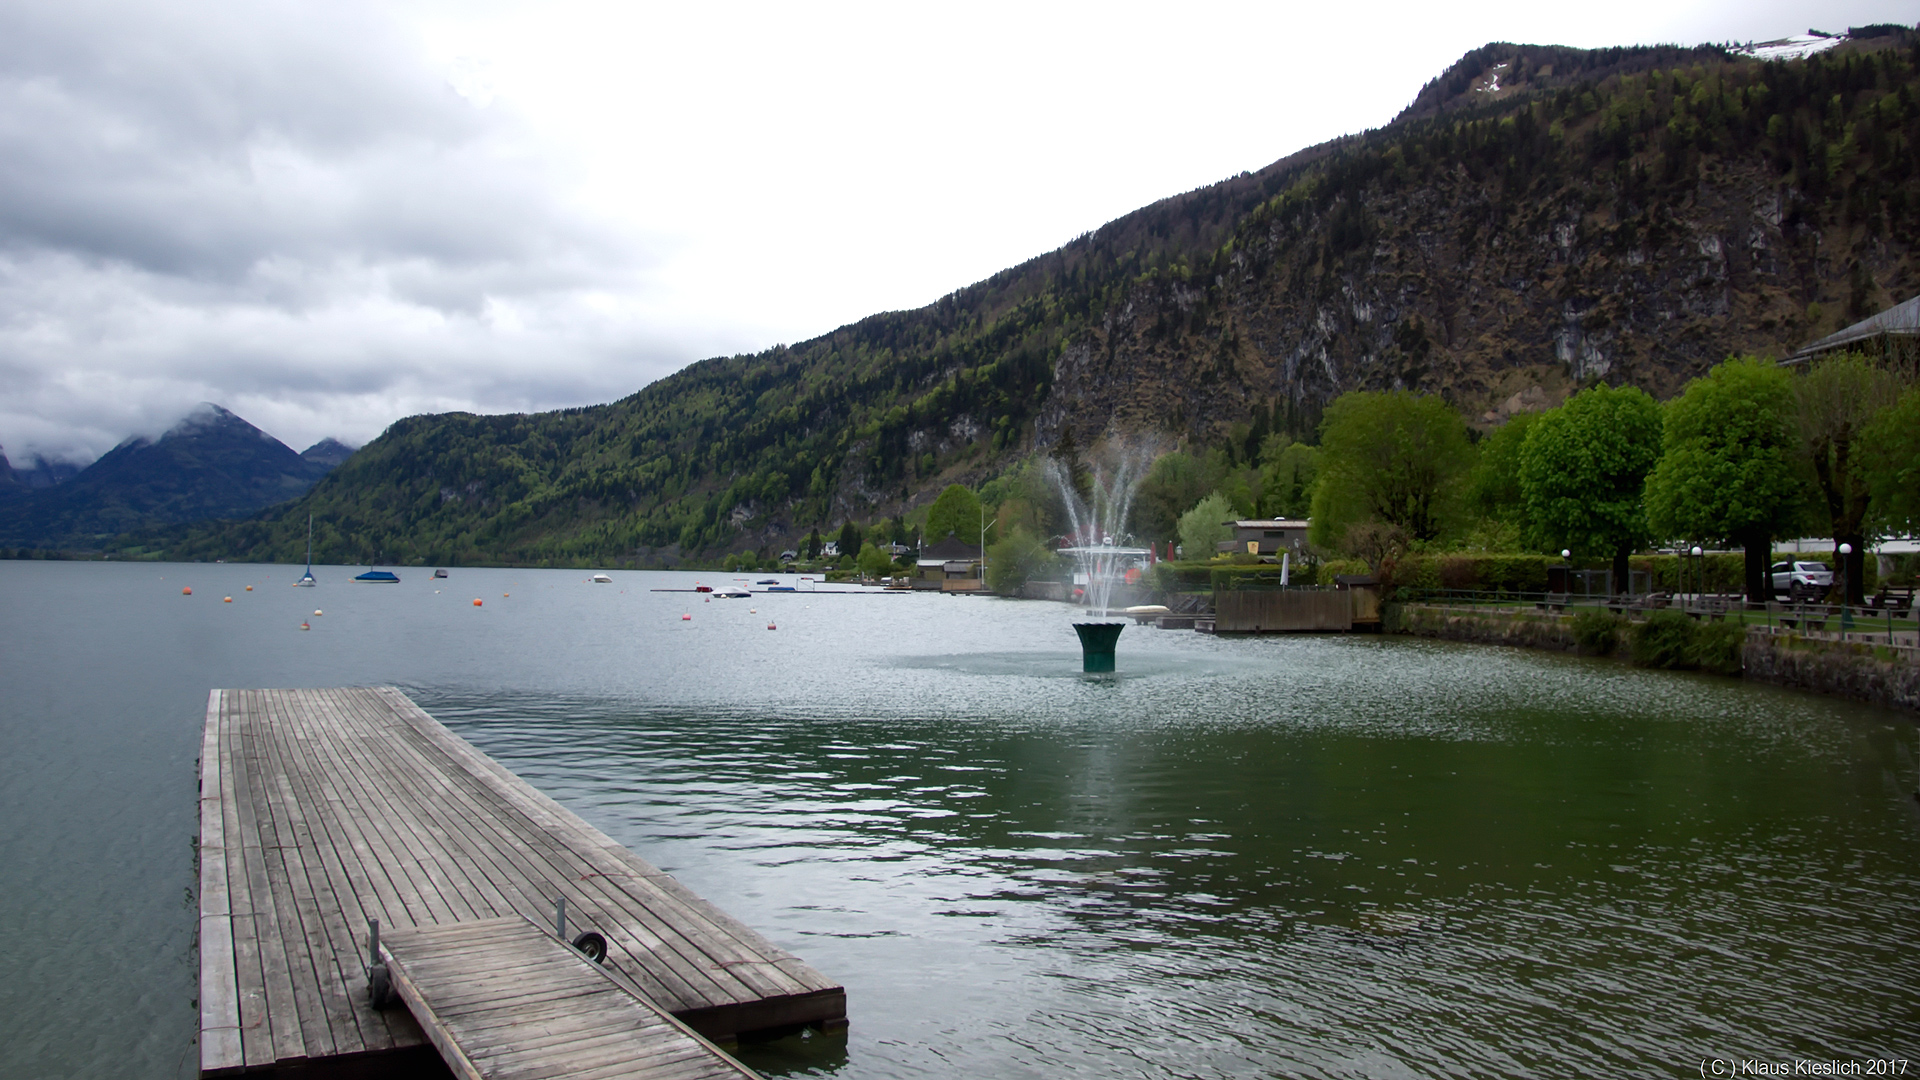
(1312, 856)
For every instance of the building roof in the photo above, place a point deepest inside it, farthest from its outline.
(1270, 523)
(1902, 319)
(951, 548)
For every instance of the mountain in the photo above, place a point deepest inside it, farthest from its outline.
(211, 464)
(328, 452)
(1537, 219)
(10, 485)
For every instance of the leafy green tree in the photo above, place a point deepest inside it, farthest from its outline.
(1583, 471)
(956, 511)
(1173, 484)
(1204, 526)
(813, 543)
(849, 545)
(1892, 443)
(1017, 558)
(1730, 467)
(1392, 456)
(1839, 398)
(1494, 486)
(1287, 471)
(873, 562)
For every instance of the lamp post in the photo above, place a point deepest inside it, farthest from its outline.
(1700, 575)
(1846, 587)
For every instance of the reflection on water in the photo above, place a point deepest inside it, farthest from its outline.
(1298, 856)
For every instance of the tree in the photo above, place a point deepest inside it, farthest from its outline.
(813, 543)
(1287, 470)
(1730, 467)
(1392, 456)
(956, 511)
(873, 562)
(1204, 526)
(1583, 471)
(1493, 489)
(1838, 399)
(1173, 484)
(1018, 558)
(849, 540)
(1892, 444)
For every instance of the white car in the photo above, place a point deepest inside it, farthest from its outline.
(1801, 580)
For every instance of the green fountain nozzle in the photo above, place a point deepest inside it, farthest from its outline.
(1096, 644)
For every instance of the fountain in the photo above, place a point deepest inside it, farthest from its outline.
(1095, 521)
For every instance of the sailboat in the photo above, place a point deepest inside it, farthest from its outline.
(306, 579)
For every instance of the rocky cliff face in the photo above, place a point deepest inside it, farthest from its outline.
(1567, 241)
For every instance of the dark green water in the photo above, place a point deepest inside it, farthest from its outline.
(1300, 856)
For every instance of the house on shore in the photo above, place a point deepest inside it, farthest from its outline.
(952, 565)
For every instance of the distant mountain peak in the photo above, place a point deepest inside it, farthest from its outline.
(328, 451)
(207, 417)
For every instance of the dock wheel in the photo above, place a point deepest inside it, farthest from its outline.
(380, 987)
(592, 945)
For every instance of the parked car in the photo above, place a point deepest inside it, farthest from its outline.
(1801, 580)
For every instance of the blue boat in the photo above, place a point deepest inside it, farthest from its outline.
(379, 577)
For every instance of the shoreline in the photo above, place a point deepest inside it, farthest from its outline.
(1859, 671)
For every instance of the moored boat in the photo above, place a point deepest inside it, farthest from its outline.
(379, 577)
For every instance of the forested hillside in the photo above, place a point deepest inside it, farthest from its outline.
(1538, 219)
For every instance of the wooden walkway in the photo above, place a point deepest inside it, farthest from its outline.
(503, 999)
(323, 809)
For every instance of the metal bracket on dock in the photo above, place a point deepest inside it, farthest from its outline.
(379, 982)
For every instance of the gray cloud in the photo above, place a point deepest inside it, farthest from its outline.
(283, 208)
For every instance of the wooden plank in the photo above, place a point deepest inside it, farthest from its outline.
(753, 968)
(542, 868)
(267, 871)
(220, 1048)
(246, 880)
(324, 1010)
(339, 907)
(566, 1020)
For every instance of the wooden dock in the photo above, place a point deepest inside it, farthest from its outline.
(321, 810)
(503, 999)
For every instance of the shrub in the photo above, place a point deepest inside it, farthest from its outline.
(1665, 640)
(1716, 647)
(1596, 632)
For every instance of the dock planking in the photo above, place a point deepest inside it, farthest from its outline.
(323, 809)
(503, 999)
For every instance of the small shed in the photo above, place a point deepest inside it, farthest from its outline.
(1266, 536)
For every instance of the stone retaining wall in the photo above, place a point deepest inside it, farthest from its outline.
(1848, 670)
(1508, 626)
(1829, 667)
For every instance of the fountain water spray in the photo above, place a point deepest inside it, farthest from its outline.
(1096, 523)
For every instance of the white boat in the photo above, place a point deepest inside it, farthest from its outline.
(306, 579)
(730, 592)
(601, 579)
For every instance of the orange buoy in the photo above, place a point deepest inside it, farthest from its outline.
(476, 601)
(227, 600)
(305, 626)
(188, 591)
(249, 588)
(503, 595)
(770, 626)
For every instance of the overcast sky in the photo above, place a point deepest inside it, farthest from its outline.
(329, 216)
